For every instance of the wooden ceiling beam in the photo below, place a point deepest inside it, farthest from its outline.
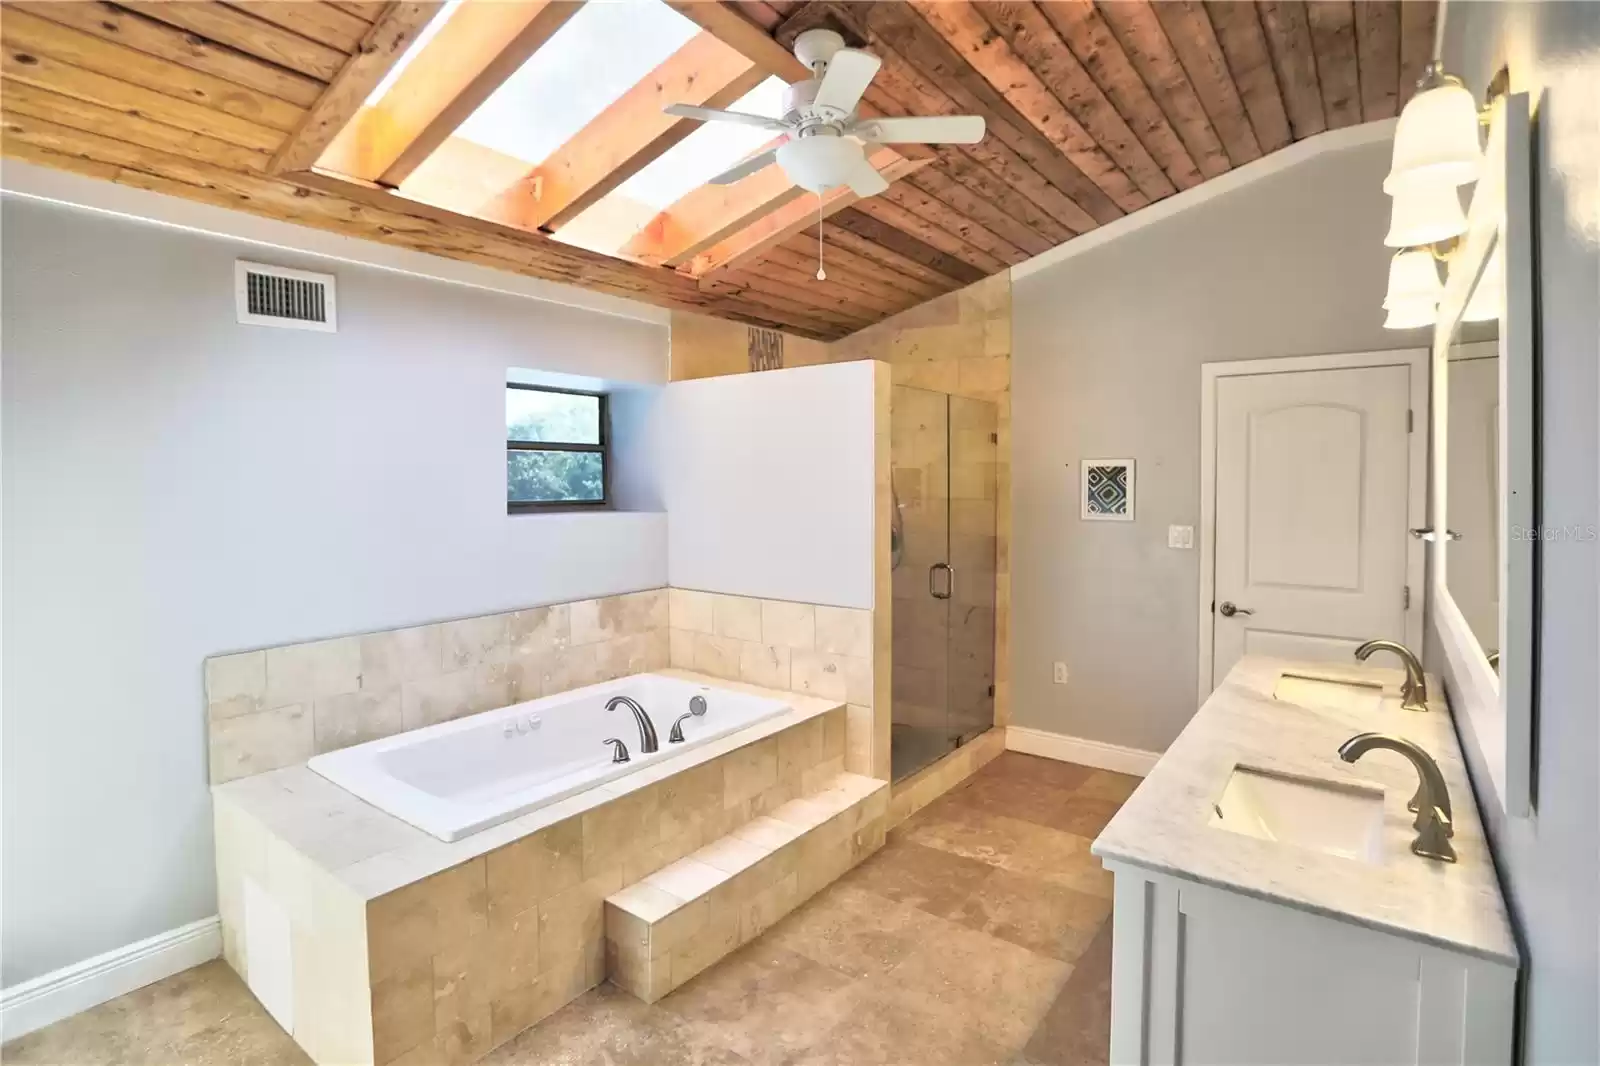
(28, 32)
(937, 213)
(710, 213)
(1033, 40)
(634, 131)
(1195, 41)
(901, 89)
(729, 25)
(931, 234)
(934, 182)
(1079, 26)
(471, 55)
(383, 45)
(894, 26)
(907, 246)
(1145, 44)
(245, 33)
(112, 23)
(887, 260)
(1378, 58)
(747, 245)
(1288, 36)
(1333, 33)
(1244, 47)
(321, 22)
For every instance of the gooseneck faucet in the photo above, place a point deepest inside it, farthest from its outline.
(1435, 824)
(1414, 692)
(647, 728)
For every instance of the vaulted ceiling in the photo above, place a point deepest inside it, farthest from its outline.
(401, 122)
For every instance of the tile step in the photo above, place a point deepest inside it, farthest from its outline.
(663, 930)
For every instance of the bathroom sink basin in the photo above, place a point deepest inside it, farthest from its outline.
(1326, 693)
(1324, 816)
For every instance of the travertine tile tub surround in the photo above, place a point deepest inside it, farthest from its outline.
(814, 649)
(394, 947)
(279, 706)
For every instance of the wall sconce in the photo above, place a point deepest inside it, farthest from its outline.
(1436, 150)
(1414, 289)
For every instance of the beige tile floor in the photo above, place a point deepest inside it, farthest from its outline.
(980, 934)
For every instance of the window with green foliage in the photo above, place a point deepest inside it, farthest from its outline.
(555, 449)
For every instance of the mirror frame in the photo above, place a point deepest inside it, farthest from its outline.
(1496, 707)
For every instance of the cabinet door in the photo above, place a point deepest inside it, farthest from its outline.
(1269, 985)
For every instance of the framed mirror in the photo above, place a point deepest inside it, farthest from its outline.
(1484, 432)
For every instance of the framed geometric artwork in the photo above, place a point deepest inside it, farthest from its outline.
(1107, 490)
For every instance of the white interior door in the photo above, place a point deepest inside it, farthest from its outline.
(1313, 485)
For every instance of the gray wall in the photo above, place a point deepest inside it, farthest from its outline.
(177, 485)
(1550, 863)
(1106, 362)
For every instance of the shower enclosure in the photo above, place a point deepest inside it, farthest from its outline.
(943, 451)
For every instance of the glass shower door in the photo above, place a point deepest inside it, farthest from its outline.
(974, 454)
(943, 456)
(919, 450)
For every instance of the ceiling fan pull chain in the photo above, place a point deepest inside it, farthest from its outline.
(822, 275)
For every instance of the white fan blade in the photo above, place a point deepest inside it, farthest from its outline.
(745, 169)
(849, 73)
(865, 181)
(711, 114)
(926, 129)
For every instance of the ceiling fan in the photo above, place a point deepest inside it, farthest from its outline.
(824, 141)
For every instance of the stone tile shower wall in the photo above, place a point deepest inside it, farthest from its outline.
(279, 706)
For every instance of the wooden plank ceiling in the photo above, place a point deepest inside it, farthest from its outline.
(1094, 110)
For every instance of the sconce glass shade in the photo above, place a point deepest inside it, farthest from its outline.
(1411, 314)
(1413, 279)
(1425, 210)
(1488, 297)
(1437, 135)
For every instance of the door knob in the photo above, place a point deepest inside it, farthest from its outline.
(1229, 610)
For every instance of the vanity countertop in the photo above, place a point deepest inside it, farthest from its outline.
(1165, 826)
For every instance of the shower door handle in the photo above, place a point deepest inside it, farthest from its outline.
(933, 581)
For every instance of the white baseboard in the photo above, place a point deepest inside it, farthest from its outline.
(71, 989)
(1094, 753)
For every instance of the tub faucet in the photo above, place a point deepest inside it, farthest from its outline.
(1434, 824)
(647, 728)
(1414, 692)
(619, 751)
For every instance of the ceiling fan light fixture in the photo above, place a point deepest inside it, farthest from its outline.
(819, 162)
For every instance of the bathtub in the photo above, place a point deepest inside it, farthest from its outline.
(456, 778)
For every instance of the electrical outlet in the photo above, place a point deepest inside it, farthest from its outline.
(1061, 673)
(1180, 536)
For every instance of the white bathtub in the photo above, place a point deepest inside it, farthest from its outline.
(457, 777)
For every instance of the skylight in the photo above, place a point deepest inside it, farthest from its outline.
(706, 152)
(602, 52)
(687, 165)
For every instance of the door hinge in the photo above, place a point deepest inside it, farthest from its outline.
(991, 690)
(1405, 598)
(1411, 417)
(994, 438)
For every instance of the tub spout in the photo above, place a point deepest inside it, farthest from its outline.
(647, 728)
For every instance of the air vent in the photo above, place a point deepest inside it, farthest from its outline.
(278, 296)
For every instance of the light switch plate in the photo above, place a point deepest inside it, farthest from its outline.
(1180, 536)
(1060, 674)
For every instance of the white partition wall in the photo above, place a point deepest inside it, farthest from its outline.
(769, 484)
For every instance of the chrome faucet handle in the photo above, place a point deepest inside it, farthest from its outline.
(1433, 839)
(1414, 691)
(618, 753)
